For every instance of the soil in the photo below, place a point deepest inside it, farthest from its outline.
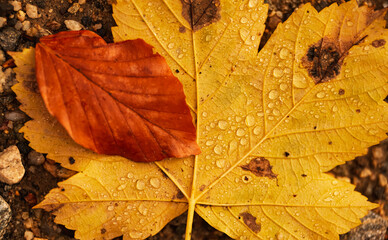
(369, 173)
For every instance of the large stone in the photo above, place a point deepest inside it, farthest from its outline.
(9, 38)
(11, 167)
(373, 227)
(5, 216)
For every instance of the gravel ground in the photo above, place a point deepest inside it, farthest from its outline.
(21, 26)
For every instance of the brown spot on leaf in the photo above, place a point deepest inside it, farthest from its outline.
(260, 167)
(323, 60)
(202, 187)
(103, 230)
(250, 221)
(378, 43)
(341, 91)
(179, 195)
(358, 110)
(201, 13)
(182, 29)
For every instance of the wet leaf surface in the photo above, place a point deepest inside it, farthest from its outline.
(248, 106)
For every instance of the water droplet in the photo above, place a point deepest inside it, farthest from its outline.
(217, 149)
(222, 124)
(273, 94)
(171, 45)
(135, 234)
(334, 108)
(222, 214)
(349, 23)
(209, 143)
(276, 112)
(283, 53)
(299, 81)
(321, 94)
(243, 20)
(240, 132)
(208, 38)
(155, 182)
(334, 182)
(143, 210)
(121, 187)
(336, 193)
(283, 86)
(250, 121)
(243, 141)
(221, 163)
(130, 175)
(366, 48)
(373, 131)
(256, 130)
(140, 185)
(244, 33)
(180, 55)
(277, 72)
(111, 207)
(204, 114)
(252, 3)
(328, 199)
(207, 168)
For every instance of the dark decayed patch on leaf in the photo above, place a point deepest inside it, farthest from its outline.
(250, 221)
(260, 167)
(201, 13)
(378, 43)
(323, 60)
(117, 99)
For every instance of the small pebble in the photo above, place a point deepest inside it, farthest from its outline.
(32, 11)
(2, 57)
(3, 22)
(5, 216)
(32, 32)
(28, 223)
(366, 172)
(74, 8)
(21, 15)
(97, 26)
(35, 158)
(383, 180)
(81, 1)
(15, 116)
(73, 25)
(18, 25)
(26, 25)
(16, 5)
(11, 167)
(28, 235)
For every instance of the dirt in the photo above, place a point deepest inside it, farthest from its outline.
(369, 173)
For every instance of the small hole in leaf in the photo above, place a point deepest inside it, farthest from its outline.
(304, 175)
(71, 160)
(286, 154)
(177, 71)
(386, 99)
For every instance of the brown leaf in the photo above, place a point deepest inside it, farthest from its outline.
(119, 99)
(201, 13)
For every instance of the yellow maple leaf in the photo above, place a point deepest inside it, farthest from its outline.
(269, 125)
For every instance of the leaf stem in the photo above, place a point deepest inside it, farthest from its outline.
(190, 218)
